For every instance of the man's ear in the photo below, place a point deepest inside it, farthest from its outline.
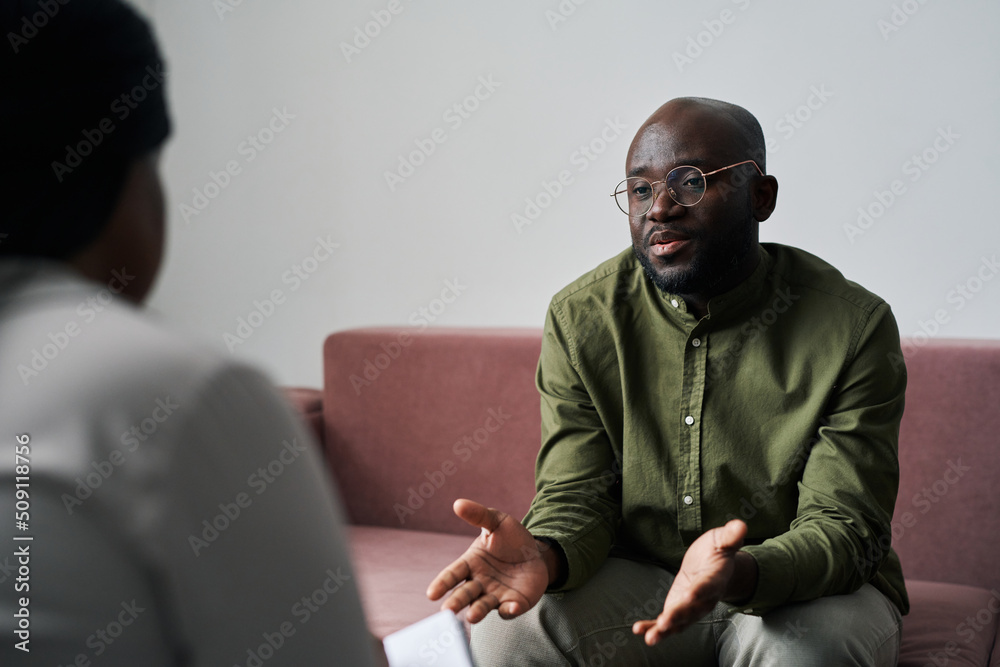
(764, 195)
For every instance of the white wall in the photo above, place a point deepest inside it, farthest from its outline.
(888, 95)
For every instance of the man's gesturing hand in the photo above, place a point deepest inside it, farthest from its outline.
(503, 569)
(713, 569)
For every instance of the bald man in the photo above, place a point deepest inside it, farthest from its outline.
(720, 417)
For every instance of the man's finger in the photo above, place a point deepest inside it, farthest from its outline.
(481, 606)
(478, 515)
(509, 610)
(648, 630)
(468, 593)
(640, 627)
(448, 578)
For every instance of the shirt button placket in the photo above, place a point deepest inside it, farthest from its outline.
(688, 500)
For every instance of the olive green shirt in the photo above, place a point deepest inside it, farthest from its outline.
(780, 407)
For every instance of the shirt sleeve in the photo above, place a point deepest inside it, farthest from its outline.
(848, 485)
(576, 473)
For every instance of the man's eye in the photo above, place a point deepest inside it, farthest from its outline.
(694, 183)
(641, 190)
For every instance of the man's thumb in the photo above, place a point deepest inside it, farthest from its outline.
(731, 535)
(478, 515)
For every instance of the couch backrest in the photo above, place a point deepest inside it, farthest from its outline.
(947, 521)
(416, 418)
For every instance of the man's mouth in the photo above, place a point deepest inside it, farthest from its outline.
(664, 244)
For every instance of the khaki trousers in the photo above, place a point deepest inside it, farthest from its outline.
(592, 626)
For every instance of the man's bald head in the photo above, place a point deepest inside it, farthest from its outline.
(731, 123)
(703, 249)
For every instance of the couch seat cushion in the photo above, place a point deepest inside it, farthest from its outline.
(394, 568)
(949, 625)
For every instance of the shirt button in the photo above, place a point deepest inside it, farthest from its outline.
(696, 342)
(688, 500)
(689, 420)
(673, 302)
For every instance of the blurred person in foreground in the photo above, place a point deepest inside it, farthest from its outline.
(177, 509)
(720, 418)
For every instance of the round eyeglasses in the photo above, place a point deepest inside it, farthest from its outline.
(685, 185)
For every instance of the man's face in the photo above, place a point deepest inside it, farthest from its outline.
(702, 249)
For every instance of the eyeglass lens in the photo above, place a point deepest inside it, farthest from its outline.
(685, 185)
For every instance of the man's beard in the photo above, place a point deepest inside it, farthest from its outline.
(714, 265)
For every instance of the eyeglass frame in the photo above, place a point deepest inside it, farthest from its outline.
(653, 185)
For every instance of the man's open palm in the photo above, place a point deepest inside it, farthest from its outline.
(503, 569)
(700, 584)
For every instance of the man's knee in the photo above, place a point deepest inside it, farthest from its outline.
(494, 640)
(862, 628)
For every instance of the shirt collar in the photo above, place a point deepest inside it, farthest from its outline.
(744, 296)
(31, 278)
(731, 304)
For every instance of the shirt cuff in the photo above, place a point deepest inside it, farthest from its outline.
(577, 567)
(775, 579)
(561, 556)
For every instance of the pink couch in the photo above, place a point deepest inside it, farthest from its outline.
(413, 419)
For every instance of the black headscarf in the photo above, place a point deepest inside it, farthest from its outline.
(82, 96)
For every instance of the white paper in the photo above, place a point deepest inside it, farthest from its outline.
(437, 640)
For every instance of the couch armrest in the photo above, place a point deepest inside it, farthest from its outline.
(416, 418)
(308, 403)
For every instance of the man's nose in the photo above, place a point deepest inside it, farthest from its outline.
(663, 203)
